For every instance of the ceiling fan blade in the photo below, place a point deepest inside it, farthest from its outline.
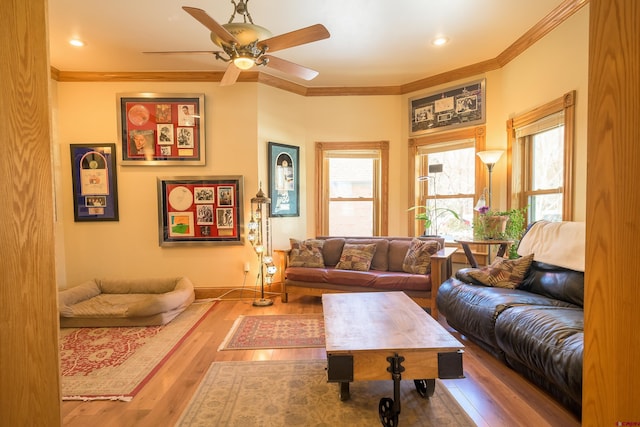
(231, 75)
(202, 17)
(295, 38)
(185, 52)
(291, 68)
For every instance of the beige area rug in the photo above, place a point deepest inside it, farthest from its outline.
(275, 331)
(296, 393)
(115, 363)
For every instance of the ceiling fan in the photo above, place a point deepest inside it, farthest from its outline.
(245, 44)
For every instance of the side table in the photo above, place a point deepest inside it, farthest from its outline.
(504, 247)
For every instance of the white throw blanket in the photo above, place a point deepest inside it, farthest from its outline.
(557, 243)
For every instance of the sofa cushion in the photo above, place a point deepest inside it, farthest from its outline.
(368, 280)
(356, 257)
(503, 273)
(380, 259)
(418, 257)
(549, 341)
(332, 250)
(555, 282)
(473, 309)
(397, 251)
(307, 253)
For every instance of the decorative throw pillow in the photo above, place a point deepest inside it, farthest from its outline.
(418, 257)
(503, 273)
(356, 257)
(307, 253)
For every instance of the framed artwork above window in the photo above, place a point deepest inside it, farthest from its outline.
(448, 109)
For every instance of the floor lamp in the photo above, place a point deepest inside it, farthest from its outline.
(433, 169)
(260, 240)
(490, 158)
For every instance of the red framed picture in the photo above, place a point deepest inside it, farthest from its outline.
(200, 210)
(161, 129)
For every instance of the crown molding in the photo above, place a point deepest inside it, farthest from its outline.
(556, 17)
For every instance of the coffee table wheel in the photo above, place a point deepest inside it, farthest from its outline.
(425, 388)
(344, 391)
(388, 415)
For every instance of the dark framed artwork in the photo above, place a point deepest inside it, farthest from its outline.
(455, 107)
(93, 173)
(200, 210)
(284, 179)
(161, 129)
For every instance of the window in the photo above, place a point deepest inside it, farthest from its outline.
(352, 180)
(541, 147)
(445, 179)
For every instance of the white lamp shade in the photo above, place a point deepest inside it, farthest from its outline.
(482, 202)
(490, 157)
(243, 62)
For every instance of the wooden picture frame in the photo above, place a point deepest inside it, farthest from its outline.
(94, 178)
(200, 210)
(452, 108)
(159, 129)
(284, 179)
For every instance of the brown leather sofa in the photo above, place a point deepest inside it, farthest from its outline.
(385, 274)
(537, 328)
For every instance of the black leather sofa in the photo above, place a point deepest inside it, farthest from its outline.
(537, 328)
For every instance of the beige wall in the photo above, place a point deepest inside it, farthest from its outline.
(283, 126)
(129, 248)
(361, 119)
(552, 67)
(243, 118)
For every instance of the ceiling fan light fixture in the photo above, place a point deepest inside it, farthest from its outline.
(440, 41)
(76, 42)
(243, 62)
(243, 32)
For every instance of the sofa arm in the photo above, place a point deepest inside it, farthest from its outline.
(441, 270)
(283, 263)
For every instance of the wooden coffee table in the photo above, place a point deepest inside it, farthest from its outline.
(386, 335)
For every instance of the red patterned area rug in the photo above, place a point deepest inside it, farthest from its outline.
(115, 363)
(275, 331)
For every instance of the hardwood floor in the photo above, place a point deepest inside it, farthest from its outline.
(491, 393)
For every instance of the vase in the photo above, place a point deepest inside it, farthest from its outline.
(495, 226)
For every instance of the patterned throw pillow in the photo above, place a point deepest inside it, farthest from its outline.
(418, 257)
(503, 273)
(356, 257)
(307, 253)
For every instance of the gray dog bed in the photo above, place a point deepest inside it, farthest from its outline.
(122, 302)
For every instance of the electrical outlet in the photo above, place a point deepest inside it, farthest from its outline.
(246, 267)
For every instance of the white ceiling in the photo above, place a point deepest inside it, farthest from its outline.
(373, 42)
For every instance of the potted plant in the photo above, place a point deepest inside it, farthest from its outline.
(501, 225)
(429, 215)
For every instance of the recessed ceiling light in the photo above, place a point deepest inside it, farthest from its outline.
(76, 42)
(439, 41)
